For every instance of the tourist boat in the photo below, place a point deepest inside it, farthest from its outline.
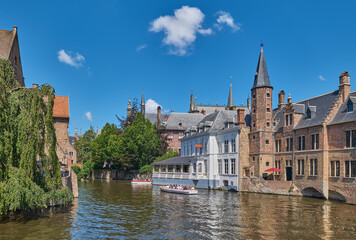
(179, 191)
(135, 181)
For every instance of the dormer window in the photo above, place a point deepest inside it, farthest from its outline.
(308, 114)
(350, 106)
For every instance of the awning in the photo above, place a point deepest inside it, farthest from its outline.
(273, 170)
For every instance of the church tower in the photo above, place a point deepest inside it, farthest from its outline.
(143, 105)
(261, 134)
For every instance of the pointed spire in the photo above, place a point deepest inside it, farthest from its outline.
(230, 101)
(143, 108)
(261, 76)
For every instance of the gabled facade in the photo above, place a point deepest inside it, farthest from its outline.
(10, 50)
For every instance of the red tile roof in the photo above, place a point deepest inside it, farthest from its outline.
(61, 106)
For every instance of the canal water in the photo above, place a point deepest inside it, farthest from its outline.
(117, 210)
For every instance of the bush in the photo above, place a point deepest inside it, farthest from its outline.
(84, 172)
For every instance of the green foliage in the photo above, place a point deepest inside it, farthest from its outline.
(83, 146)
(148, 168)
(84, 172)
(27, 143)
(141, 142)
(61, 196)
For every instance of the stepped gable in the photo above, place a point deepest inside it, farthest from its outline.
(322, 104)
(342, 116)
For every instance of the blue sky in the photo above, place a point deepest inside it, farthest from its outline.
(100, 53)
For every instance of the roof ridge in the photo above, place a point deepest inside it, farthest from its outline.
(316, 96)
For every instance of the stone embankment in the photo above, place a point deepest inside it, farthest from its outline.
(70, 180)
(259, 185)
(114, 174)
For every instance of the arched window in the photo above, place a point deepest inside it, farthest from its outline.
(350, 106)
(308, 113)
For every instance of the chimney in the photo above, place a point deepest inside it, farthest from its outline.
(281, 99)
(344, 87)
(289, 99)
(159, 116)
(240, 118)
(34, 85)
(76, 134)
(249, 103)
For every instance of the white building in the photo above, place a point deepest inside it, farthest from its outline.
(209, 154)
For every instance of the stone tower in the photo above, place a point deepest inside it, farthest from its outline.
(143, 105)
(261, 135)
(191, 107)
(344, 87)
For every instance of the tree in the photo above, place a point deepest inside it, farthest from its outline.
(128, 120)
(83, 146)
(29, 166)
(141, 142)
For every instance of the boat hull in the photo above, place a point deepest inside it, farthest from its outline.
(178, 191)
(141, 182)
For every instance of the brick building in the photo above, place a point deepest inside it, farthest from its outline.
(10, 50)
(312, 141)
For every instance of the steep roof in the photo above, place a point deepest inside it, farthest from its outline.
(6, 40)
(61, 106)
(322, 104)
(182, 121)
(342, 116)
(152, 117)
(261, 76)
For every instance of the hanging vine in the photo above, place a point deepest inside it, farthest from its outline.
(27, 140)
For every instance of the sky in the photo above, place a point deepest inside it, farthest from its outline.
(101, 53)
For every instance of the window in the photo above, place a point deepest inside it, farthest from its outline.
(254, 125)
(350, 106)
(289, 144)
(268, 110)
(300, 167)
(351, 138)
(181, 135)
(267, 142)
(194, 167)
(313, 167)
(186, 168)
(233, 166)
(170, 168)
(268, 94)
(233, 145)
(301, 141)
(71, 154)
(350, 168)
(226, 183)
(289, 119)
(254, 110)
(156, 169)
(226, 161)
(200, 167)
(163, 168)
(267, 164)
(315, 141)
(206, 147)
(253, 159)
(278, 145)
(220, 166)
(267, 124)
(288, 163)
(226, 146)
(178, 168)
(205, 166)
(335, 168)
(308, 114)
(170, 136)
(277, 164)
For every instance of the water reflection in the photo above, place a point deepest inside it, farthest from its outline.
(114, 210)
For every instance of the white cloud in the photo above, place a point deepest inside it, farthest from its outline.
(322, 78)
(75, 60)
(181, 29)
(226, 18)
(88, 116)
(151, 106)
(140, 47)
